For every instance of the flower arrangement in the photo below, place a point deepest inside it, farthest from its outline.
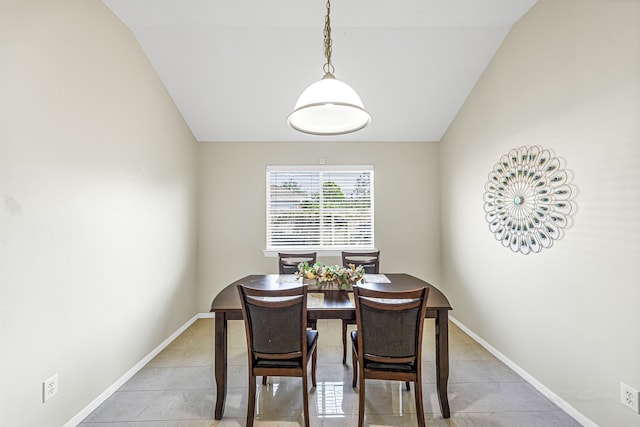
(328, 275)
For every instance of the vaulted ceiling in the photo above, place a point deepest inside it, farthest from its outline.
(235, 69)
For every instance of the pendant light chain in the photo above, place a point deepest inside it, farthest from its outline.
(329, 106)
(328, 67)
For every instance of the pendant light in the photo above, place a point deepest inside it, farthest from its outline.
(328, 106)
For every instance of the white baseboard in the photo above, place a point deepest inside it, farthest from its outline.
(77, 419)
(561, 403)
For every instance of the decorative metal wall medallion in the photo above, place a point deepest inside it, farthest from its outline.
(527, 199)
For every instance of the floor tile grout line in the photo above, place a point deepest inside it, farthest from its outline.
(431, 411)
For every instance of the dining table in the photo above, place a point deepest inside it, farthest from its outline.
(334, 304)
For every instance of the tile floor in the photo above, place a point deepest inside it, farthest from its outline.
(177, 389)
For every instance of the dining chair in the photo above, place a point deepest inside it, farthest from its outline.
(288, 262)
(369, 260)
(387, 344)
(278, 342)
(371, 263)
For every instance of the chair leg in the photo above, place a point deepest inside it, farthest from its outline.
(419, 404)
(354, 365)
(264, 380)
(361, 401)
(305, 398)
(344, 342)
(314, 357)
(407, 385)
(251, 402)
(314, 363)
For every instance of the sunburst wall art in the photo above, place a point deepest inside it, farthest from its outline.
(528, 199)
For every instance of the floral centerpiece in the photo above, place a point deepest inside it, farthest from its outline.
(330, 276)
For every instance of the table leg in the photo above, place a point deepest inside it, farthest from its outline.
(442, 360)
(220, 362)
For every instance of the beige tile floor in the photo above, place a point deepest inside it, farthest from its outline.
(177, 389)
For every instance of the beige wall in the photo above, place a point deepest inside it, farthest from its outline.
(98, 204)
(97, 207)
(567, 78)
(232, 206)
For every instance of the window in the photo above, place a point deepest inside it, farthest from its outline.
(319, 207)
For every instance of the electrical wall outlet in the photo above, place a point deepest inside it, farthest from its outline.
(49, 388)
(629, 397)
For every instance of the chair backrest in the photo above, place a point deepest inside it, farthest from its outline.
(369, 260)
(390, 324)
(288, 263)
(275, 322)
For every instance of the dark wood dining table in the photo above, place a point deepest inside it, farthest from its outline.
(336, 305)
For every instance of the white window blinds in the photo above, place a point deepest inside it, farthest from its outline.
(319, 207)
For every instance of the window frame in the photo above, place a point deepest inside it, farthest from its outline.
(320, 169)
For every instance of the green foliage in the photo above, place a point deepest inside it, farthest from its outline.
(325, 275)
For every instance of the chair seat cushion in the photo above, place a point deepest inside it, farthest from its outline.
(394, 367)
(278, 363)
(378, 366)
(354, 340)
(312, 338)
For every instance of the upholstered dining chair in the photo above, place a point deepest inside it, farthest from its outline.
(288, 262)
(369, 260)
(278, 342)
(387, 344)
(371, 263)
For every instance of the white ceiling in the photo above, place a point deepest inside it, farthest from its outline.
(236, 68)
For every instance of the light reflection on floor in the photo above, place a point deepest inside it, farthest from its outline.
(262, 392)
(329, 397)
(397, 396)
